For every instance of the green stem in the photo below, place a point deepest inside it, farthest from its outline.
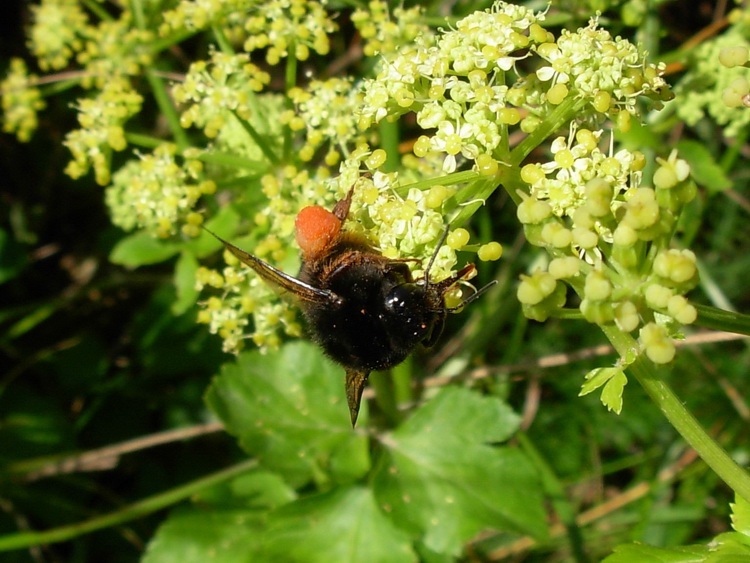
(161, 96)
(221, 39)
(232, 161)
(471, 197)
(389, 138)
(718, 319)
(558, 117)
(98, 10)
(167, 109)
(447, 180)
(260, 140)
(679, 417)
(118, 517)
(290, 81)
(145, 141)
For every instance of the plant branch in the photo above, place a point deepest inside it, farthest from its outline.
(718, 319)
(136, 510)
(679, 417)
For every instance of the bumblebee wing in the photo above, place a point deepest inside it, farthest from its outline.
(355, 385)
(279, 279)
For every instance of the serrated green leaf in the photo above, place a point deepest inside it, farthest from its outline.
(184, 280)
(195, 535)
(729, 547)
(703, 166)
(480, 419)
(141, 249)
(638, 553)
(596, 378)
(741, 515)
(344, 525)
(612, 392)
(440, 481)
(288, 408)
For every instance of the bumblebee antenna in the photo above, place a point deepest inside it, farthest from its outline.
(434, 255)
(471, 298)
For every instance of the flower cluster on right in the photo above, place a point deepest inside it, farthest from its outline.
(609, 238)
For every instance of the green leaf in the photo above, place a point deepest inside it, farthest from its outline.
(731, 547)
(225, 523)
(256, 489)
(479, 419)
(612, 392)
(703, 166)
(441, 481)
(288, 408)
(184, 280)
(596, 378)
(223, 223)
(141, 249)
(741, 515)
(613, 379)
(344, 525)
(193, 535)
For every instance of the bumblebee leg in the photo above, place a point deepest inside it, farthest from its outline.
(355, 384)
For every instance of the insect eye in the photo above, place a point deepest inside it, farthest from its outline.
(403, 297)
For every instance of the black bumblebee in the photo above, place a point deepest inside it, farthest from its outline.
(365, 310)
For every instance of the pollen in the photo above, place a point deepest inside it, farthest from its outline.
(316, 228)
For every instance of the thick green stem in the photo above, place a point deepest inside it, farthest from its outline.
(679, 417)
(131, 512)
(718, 319)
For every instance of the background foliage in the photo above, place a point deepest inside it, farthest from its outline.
(102, 354)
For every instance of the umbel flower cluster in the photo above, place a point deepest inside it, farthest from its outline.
(470, 88)
(608, 237)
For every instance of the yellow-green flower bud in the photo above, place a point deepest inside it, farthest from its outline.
(657, 296)
(376, 159)
(436, 196)
(597, 287)
(566, 267)
(535, 288)
(682, 311)
(676, 265)
(532, 211)
(457, 239)
(733, 56)
(557, 94)
(532, 173)
(490, 251)
(626, 316)
(556, 235)
(582, 219)
(656, 343)
(486, 165)
(597, 312)
(671, 172)
(585, 238)
(599, 194)
(641, 210)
